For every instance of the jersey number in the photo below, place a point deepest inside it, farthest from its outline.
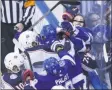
(20, 86)
(69, 84)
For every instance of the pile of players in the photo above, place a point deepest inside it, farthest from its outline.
(71, 41)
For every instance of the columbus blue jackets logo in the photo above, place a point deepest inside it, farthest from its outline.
(13, 76)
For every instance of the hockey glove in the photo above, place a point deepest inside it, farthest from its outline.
(57, 45)
(27, 75)
(16, 36)
(68, 29)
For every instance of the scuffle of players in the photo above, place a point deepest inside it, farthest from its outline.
(75, 66)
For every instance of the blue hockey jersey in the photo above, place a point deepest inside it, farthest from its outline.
(87, 31)
(13, 81)
(83, 33)
(70, 77)
(77, 44)
(78, 32)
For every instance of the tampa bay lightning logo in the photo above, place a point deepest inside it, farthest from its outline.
(62, 63)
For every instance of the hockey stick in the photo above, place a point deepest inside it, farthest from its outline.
(18, 45)
(105, 53)
(71, 2)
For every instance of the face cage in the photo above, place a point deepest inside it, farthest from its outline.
(17, 69)
(32, 44)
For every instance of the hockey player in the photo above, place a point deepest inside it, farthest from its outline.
(69, 16)
(12, 78)
(88, 60)
(79, 21)
(76, 32)
(71, 43)
(66, 71)
(48, 34)
(28, 39)
(35, 45)
(73, 32)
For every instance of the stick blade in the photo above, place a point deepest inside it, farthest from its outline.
(71, 2)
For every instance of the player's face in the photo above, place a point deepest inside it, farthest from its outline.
(34, 44)
(78, 21)
(95, 19)
(17, 69)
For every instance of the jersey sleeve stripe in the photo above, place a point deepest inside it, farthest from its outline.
(67, 57)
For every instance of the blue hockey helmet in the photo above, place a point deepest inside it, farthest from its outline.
(52, 66)
(48, 31)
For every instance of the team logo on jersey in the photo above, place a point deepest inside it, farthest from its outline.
(61, 63)
(13, 76)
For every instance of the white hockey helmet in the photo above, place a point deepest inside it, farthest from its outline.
(28, 39)
(14, 62)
